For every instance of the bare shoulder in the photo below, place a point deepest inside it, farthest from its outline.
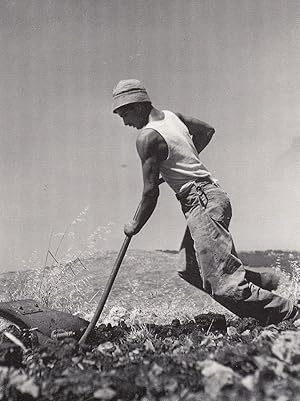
(149, 142)
(148, 135)
(148, 138)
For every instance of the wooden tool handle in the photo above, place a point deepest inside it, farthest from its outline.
(110, 281)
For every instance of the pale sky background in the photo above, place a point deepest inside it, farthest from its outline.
(232, 63)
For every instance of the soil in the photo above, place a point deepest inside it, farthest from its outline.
(201, 359)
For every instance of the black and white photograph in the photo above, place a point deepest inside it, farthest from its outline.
(149, 200)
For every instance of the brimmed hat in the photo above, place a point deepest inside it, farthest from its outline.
(129, 91)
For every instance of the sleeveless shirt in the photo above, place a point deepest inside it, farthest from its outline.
(182, 165)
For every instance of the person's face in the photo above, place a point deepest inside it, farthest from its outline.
(132, 116)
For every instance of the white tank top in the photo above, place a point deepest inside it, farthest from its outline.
(182, 165)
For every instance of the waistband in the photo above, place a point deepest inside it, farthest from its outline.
(183, 194)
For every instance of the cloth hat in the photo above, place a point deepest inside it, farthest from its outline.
(129, 91)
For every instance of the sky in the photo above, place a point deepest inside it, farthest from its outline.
(69, 166)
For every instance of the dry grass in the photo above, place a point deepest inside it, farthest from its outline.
(63, 282)
(289, 285)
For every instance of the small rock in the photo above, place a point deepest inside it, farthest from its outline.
(29, 387)
(216, 376)
(3, 373)
(171, 385)
(283, 397)
(208, 342)
(105, 393)
(155, 377)
(294, 370)
(135, 351)
(266, 384)
(174, 344)
(106, 347)
(156, 369)
(246, 333)
(232, 331)
(287, 347)
(188, 344)
(24, 384)
(76, 359)
(267, 335)
(149, 346)
(116, 315)
(249, 382)
(117, 351)
(268, 362)
(168, 340)
(89, 362)
(190, 397)
(184, 393)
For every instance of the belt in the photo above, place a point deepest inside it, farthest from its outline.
(182, 194)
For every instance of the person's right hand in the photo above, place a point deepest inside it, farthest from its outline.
(131, 228)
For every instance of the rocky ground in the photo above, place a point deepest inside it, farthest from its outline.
(152, 344)
(199, 359)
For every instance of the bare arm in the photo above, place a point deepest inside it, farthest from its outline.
(149, 147)
(199, 130)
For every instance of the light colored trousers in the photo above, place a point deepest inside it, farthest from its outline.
(211, 260)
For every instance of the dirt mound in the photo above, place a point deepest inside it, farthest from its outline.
(200, 359)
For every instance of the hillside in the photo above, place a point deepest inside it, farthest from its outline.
(147, 281)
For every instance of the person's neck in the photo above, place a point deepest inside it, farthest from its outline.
(156, 115)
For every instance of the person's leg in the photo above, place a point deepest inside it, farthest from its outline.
(263, 277)
(191, 274)
(208, 212)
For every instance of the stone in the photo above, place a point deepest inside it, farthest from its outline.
(149, 346)
(24, 384)
(249, 382)
(216, 376)
(232, 331)
(287, 347)
(107, 347)
(105, 393)
(271, 363)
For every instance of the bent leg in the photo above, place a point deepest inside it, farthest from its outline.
(224, 276)
(191, 274)
(263, 277)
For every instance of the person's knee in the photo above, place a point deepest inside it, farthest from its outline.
(232, 288)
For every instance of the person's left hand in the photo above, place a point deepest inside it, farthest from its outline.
(130, 228)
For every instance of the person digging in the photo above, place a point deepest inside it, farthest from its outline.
(169, 145)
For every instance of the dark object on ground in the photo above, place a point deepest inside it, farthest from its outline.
(211, 322)
(28, 314)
